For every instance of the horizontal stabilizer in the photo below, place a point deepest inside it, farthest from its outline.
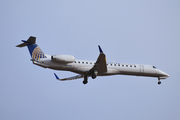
(70, 78)
(21, 45)
(31, 40)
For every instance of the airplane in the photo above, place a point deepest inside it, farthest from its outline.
(85, 68)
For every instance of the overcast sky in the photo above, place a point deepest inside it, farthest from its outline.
(129, 31)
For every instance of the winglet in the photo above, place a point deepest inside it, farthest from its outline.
(56, 76)
(100, 50)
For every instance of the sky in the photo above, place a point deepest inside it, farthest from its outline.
(129, 31)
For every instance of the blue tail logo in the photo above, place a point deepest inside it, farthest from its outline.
(34, 50)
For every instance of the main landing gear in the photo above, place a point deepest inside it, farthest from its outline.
(93, 76)
(85, 80)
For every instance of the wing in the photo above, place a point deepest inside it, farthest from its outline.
(100, 65)
(70, 78)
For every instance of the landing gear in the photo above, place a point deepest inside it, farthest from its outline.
(159, 82)
(85, 80)
(93, 76)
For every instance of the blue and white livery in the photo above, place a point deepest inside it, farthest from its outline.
(85, 68)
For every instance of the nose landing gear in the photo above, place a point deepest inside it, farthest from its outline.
(159, 82)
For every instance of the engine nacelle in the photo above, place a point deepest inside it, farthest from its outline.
(63, 58)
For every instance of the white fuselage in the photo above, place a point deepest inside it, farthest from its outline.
(83, 66)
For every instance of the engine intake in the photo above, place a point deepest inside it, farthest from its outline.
(63, 58)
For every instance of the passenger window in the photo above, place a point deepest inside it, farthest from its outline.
(130, 65)
(90, 62)
(86, 62)
(123, 65)
(78, 62)
(126, 65)
(134, 65)
(82, 62)
(118, 64)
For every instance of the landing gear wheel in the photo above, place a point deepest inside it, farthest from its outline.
(85, 82)
(93, 76)
(159, 82)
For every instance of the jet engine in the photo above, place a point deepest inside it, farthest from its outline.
(63, 58)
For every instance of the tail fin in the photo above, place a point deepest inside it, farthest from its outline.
(34, 50)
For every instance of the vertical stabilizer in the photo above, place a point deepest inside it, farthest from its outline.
(34, 50)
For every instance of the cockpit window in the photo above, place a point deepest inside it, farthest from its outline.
(154, 67)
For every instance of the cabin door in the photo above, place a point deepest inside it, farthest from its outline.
(141, 68)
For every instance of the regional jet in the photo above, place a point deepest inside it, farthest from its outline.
(85, 68)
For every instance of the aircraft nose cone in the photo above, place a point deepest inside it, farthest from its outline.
(167, 75)
(163, 73)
